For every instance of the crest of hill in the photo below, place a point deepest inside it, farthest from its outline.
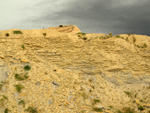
(67, 29)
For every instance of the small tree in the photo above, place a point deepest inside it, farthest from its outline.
(60, 25)
(7, 34)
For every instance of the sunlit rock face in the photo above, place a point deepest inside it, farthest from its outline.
(63, 70)
(66, 29)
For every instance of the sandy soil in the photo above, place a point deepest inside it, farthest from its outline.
(62, 70)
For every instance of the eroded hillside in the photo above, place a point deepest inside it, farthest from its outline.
(59, 70)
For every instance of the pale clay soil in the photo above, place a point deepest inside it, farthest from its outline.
(74, 73)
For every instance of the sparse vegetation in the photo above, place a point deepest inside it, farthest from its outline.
(17, 32)
(19, 87)
(144, 45)
(138, 46)
(104, 37)
(27, 68)
(21, 77)
(117, 36)
(119, 111)
(60, 25)
(84, 95)
(128, 93)
(96, 101)
(21, 102)
(6, 110)
(141, 108)
(2, 84)
(135, 95)
(126, 110)
(2, 100)
(4, 97)
(83, 111)
(7, 34)
(55, 70)
(44, 34)
(129, 34)
(81, 33)
(23, 47)
(111, 107)
(127, 39)
(134, 39)
(98, 109)
(84, 38)
(31, 110)
(110, 34)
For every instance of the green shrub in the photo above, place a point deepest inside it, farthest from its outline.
(4, 97)
(81, 33)
(83, 111)
(96, 101)
(138, 46)
(17, 32)
(144, 45)
(2, 100)
(105, 37)
(135, 95)
(7, 34)
(2, 84)
(22, 102)
(128, 93)
(127, 39)
(27, 68)
(110, 34)
(31, 110)
(129, 34)
(134, 39)
(119, 111)
(19, 87)
(44, 34)
(128, 110)
(110, 106)
(98, 109)
(6, 110)
(84, 38)
(60, 25)
(19, 77)
(141, 108)
(23, 47)
(117, 36)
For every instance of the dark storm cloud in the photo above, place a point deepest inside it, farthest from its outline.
(98, 16)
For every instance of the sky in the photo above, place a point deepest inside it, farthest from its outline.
(90, 16)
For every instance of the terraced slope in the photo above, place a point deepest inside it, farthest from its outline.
(73, 72)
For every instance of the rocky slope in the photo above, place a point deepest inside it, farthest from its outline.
(59, 70)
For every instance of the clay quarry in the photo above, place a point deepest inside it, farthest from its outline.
(64, 70)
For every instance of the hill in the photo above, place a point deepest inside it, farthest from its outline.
(62, 70)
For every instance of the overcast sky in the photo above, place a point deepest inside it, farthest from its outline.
(90, 16)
